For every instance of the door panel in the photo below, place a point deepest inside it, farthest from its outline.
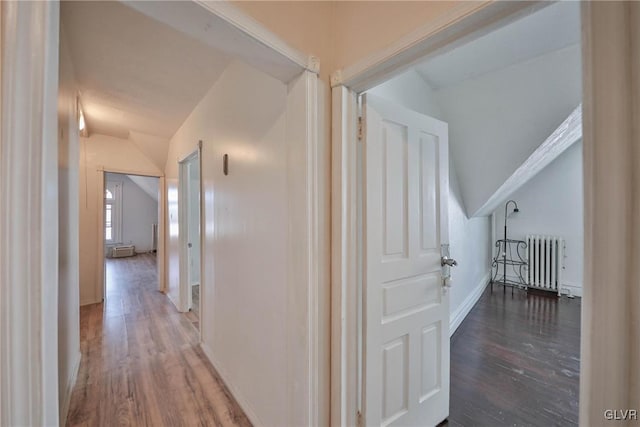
(396, 378)
(406, 308)
(394, 186)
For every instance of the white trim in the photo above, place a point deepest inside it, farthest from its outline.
(565, 135)
(202, 290)
(184, 294)
(469, 302)
(161, 249)
(71, 382)
(344, 258)
(230, 14)
(95, 300)
(129, 172)
(29, 214)
(100, 290)
(304, 174)
(464, 22)
(237, 395)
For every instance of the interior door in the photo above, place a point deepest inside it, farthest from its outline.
(406, 306)
(194, 222)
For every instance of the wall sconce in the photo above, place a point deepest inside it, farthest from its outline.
(82, 124)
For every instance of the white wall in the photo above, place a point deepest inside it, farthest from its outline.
(68, 237)
(139, 213)
(98, 153)
(551, 203)
(244, 288)
(469, 237)
(500, 118)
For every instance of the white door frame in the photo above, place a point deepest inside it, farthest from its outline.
(29, 214)
(184, 295)
(462, 24)
(160, 263)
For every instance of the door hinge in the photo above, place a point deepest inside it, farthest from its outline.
(360, 128)
(359, 419)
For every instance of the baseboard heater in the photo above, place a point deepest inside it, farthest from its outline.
(546, 262)
(123, 251)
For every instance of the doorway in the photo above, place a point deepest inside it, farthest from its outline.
(405, 265)
(131, 213)
(432, 85)
(189, 205)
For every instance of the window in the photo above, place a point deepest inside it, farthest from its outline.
(112, 212)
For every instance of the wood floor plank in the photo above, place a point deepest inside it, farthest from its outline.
(515, 361)
(141, 362)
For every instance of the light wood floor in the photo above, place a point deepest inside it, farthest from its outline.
(141, 362)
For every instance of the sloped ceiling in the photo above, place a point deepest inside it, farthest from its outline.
(148, 184)
(136, 76)
(153, 147)
(503, 94)
(550, 29)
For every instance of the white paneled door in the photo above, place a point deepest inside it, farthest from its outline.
(406, 305)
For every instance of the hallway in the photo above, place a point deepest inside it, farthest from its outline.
(141, 363)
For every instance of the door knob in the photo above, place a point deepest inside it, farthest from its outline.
(445, 260)
(190, 245)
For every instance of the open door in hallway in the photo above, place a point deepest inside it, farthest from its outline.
(190, 232)
(406, 305)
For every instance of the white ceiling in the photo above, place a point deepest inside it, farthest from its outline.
(549, 29)
(134, 73)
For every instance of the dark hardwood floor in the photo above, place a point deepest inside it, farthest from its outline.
(515, 361)
(141, 362)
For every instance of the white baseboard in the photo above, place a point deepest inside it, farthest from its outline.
(242, 401)
(574, 288)
(89, 301)
(172, 301)
(461, 312)
(71, 382)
